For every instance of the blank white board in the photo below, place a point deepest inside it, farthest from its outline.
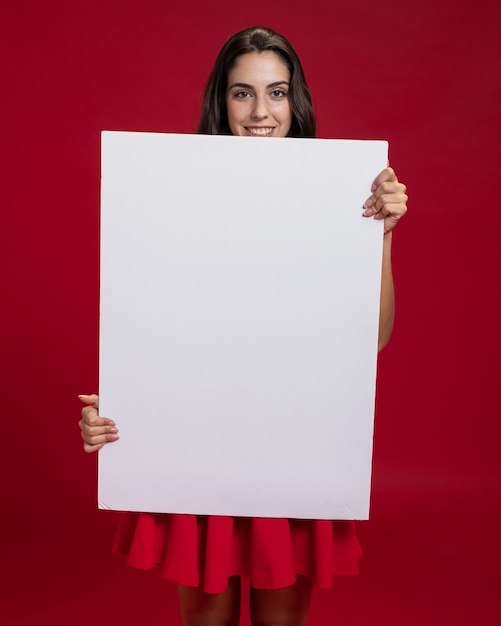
(238, 324)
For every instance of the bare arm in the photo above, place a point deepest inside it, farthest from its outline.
(388, 202)
(387, 304)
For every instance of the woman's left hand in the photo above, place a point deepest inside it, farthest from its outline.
(388, 200)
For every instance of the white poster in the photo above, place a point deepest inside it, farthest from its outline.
(239, 320)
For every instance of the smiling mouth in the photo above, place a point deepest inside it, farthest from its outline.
(259, 131)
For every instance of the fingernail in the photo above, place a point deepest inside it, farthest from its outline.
(369, 202)
(373, 188)
(114, 437)
(113, 430)
(368, 212)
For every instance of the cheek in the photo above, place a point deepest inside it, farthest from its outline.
(283, 113)
(282, 109)
(289, 113)
(234, 114)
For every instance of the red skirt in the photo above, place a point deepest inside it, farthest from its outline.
(206, 551)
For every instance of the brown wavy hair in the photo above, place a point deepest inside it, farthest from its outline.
(214, 115)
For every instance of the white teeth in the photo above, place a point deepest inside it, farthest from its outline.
(262, 132)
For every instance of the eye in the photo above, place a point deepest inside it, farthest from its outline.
(279, 93)
(241, 95)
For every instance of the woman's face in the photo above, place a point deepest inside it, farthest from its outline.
(256, 99)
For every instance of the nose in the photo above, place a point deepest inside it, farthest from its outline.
(260, 110)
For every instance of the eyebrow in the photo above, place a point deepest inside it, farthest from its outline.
(270, 86)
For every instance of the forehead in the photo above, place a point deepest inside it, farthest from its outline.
(258, 67)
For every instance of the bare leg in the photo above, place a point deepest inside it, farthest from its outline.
(281, 607)
(199, 608)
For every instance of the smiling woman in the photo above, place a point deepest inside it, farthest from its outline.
(257, 102)
(257, 88)
(265, 62)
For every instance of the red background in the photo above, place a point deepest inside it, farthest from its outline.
(422, 74)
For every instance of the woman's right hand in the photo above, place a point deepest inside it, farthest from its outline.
(96, 430)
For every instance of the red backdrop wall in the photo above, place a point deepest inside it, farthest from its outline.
(422, 74)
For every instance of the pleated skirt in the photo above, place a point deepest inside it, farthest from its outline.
(206, 550)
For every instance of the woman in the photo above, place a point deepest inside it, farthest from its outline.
(257, 88)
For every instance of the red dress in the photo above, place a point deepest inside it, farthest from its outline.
(207, 550)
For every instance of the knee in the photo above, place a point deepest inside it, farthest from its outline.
(209, 618)
(199, 608)
(281, 607)
(288, 617)
(215, 610)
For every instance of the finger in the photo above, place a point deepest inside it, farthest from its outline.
(99, 438)
(390, 203)
(90, 448)
(387, 192)
(90, 411)
(386, 189)
(386, 175)
(391, 219)
(396, 211)
(91, 399)
(390, 186)
(93, 430)
(96, 442)
(91, 418)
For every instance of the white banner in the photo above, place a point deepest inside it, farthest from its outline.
(239, 319)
